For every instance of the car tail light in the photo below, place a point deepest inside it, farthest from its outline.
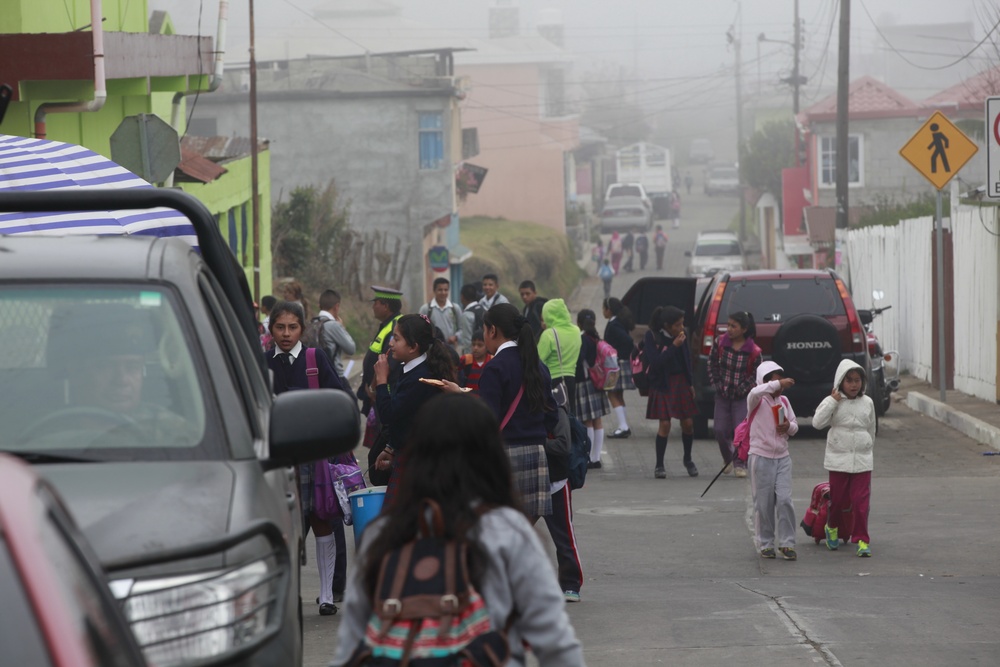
(857, 333)
(712, 319)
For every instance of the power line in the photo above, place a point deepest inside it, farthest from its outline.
(924, 67)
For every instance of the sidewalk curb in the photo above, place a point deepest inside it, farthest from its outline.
(966, 424)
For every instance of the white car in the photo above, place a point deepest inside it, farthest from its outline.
(616, 190)
(715, 251)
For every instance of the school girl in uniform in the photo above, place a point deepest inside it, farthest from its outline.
(421, 357)
(671, 390)
(590, 403)
(288, 362)
(618, 334)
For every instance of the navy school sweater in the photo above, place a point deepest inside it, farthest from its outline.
(499, 384)
(666, 359)
(398, 409)
(294, 377)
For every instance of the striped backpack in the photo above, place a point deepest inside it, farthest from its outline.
(425, 610)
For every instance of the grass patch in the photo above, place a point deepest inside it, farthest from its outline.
(518, 251)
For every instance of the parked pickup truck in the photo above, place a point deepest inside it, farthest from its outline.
(137, 387)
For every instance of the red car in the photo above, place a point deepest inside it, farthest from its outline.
(54, 599)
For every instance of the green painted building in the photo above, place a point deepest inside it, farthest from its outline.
(48, 51)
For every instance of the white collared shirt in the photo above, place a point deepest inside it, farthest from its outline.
(510, 343)
(413, 363)
(292, 353)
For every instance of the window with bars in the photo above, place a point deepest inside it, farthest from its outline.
(828, 161)
(431, 138)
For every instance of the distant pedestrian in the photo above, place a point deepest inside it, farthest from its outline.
(532, 305)
(660, 245)
(732, 372)
(671, 387)
(642, 247)
(472, 317)
(618, 334)
(675, 208)
(491, 292)
(471, 365)
(628, 248)
(770, 463)
(615, 250)
(444, 314)
(591, 403)
(688, 182)
(850, 414)
(606, 274)
(292, 291)
(333, 336)
(266, 304)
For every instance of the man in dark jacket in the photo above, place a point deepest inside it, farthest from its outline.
(628, 244)
(532, 306)
(642, 247)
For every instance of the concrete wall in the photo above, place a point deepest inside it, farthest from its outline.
(368, 146)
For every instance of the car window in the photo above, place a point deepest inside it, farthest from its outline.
(626, 191)
(97, 367)
(715, 248)
(20, 636)
(780, 300)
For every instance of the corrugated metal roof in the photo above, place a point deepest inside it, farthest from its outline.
(197, 167)
(220, 149)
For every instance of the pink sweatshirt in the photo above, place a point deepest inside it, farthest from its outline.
(764, 438)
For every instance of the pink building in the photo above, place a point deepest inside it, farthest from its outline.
(518, 104)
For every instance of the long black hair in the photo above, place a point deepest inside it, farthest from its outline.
(290, 307)
(620, 312)
(456, 458)
(418, 331)
(586, 319)
(509, 321)
(662, 317)
(745, 319)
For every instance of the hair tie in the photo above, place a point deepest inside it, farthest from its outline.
(425, 318)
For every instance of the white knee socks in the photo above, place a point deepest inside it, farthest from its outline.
(622, 422)
(596, 445)
(326, 558)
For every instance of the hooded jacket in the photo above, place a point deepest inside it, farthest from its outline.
(851, 439)
(557, 320)
(764, 437)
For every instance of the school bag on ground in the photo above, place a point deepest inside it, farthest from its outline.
(816, 515)
(640, 369)
(604, 373)
(426, 611)
(579, 453)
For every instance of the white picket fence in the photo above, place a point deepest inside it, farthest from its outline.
(898, 261)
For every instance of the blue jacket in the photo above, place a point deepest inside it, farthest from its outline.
(666, 359)
(498, 385)
(397, 410)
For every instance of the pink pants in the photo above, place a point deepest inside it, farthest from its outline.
(850, 498)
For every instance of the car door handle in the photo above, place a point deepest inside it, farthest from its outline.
(291, 500)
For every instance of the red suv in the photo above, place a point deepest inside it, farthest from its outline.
(806, 322)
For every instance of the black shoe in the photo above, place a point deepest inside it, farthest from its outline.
(593, 464)
(619, 433)
(327, 609)
(692, 468)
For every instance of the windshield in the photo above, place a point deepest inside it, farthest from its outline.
(715, 248)
(780, 300)
(96, 372)
(625, 191)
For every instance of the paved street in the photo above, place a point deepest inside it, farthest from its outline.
(675, 579)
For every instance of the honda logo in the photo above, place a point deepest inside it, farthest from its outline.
(810, 345)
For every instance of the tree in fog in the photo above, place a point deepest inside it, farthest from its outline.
(763, 156)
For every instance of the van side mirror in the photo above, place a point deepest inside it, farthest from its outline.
(311, 425)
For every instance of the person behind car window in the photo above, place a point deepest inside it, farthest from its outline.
(671, 387)
(459, 462)
(732, 372)
(770, 463)
(618, 334)
(288, 362)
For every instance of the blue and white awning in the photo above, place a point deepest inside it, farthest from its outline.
(39, 164)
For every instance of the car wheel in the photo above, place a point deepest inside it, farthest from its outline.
(808, 348)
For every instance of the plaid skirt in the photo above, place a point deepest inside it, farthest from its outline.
(590, 402)
(530, 470)
(675, 403)
(624, 376)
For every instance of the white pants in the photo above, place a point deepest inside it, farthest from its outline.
(771, 482)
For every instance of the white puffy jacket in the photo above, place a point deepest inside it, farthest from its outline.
(851, 439)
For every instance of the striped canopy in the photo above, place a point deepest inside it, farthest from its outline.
(39, 164)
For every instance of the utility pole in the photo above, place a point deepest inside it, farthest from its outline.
(254, 184)
(796, 81)
(843, 84)
(735, 41)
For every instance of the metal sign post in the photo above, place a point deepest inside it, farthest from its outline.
(942, 360)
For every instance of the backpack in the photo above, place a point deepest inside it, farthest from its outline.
(333, 481)
(478, 313)
(816, 515)
(605, 371)
(425, 610)
(641, 244)
(579, 453)
(313, 333)
(606, 272)
(640, 369)
(741, 437)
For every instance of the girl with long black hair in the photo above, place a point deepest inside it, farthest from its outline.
(618, 334)
(458, 461)
(517, 387)
(732, 371)
(590, 403)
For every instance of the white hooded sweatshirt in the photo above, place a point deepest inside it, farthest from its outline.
(851, 439)
(764, 438)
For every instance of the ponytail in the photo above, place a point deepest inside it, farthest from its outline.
(506, 318)
(620, 312)
(745, 319)
(440, 362)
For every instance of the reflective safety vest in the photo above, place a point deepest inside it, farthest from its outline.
(383, 335)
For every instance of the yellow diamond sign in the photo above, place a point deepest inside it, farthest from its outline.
(938, 150)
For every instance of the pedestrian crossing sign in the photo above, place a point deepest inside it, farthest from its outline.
(938, 150)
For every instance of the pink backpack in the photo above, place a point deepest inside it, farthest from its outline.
(604, 373)
(741, 437)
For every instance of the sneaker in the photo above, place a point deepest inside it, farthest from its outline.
(327, 609)
(691, 468)
(571, 596)
(863, 550)
(788, 553)
(728, 470)
(620, 433)
(593, 464)
(741, 472)
(660, 473)
(831, 538)
(767, 553)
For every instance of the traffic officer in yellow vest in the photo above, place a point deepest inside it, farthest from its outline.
(387, 307)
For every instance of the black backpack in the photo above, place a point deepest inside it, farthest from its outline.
(313, 333)
(579, 453)
(425, 610)
(478, 313)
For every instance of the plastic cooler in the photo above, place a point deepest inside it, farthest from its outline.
(365, 506)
